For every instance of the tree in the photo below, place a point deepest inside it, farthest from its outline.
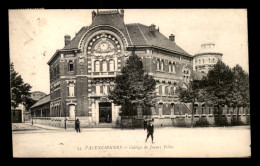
(28, 102)
(240, 93)
(133, 87)
(219, 87)
(194, 93)
(19, 90)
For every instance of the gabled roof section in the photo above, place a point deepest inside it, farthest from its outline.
(42, 101)
(73, 44)
(111, 18)
(141, 35)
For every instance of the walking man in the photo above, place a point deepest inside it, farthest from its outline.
(150, 130)
(77, 125)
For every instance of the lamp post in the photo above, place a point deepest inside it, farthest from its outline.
(32, 119)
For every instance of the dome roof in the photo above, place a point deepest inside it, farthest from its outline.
(208, 47)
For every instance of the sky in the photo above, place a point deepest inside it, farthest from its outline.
(35, 35)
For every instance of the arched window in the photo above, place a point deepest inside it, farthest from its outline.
(202, 60)
(158, 64)
(101, 89)
(104, 65)
(199, 61)
(170, 67)
(111, 65)
(71, 89)
(166, 90)
(71, 66)
(97, 66)
(209, 60)
(162, 65)
(163, 90)
(213, 60)
(160, 89)
(173, 67)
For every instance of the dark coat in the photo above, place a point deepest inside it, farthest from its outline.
(150, 129)
(77, 124)
(145, 122)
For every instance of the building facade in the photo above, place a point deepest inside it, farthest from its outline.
(82, 72)
(41, 108)
(17, 114)
(207, 57)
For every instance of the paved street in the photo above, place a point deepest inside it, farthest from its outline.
(41, 141)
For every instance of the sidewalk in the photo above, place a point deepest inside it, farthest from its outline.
(68, 129)
(44, 126)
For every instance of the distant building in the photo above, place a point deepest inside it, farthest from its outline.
(41, 108)
(17, 114)
(36, 95)
(207, 57)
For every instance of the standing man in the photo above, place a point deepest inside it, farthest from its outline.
(77, 125)
(150, 130)
(145, 124)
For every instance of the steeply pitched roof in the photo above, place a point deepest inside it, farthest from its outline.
(42, 101)
(73, 44)
(141, 35)
(111, 18)
(136, 34)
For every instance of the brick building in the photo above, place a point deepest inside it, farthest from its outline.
(82, 72)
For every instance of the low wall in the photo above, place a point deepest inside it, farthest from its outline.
(60, 121)
(177, 121)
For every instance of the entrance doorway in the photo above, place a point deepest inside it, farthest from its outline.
(72, 111)
(105, 112)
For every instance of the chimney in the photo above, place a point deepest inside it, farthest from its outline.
(172, 38)
(67, 39)
(93, 15)
(152, 29)
(122, 13)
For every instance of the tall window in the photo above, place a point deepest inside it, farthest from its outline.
(162, 65)
(104, 65)
(202, 60)
(71, 89)
(199, 61)
(97, 66)
(173, 67)
(158, 64)
(196, 62)
(209, 60)
(101, 89)
(213, 60)
(170, 67)
(160, 89)
(98, 89)
(166, 90)
(111, 65)
(71, 66)
(58, 69)
(163, 90)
